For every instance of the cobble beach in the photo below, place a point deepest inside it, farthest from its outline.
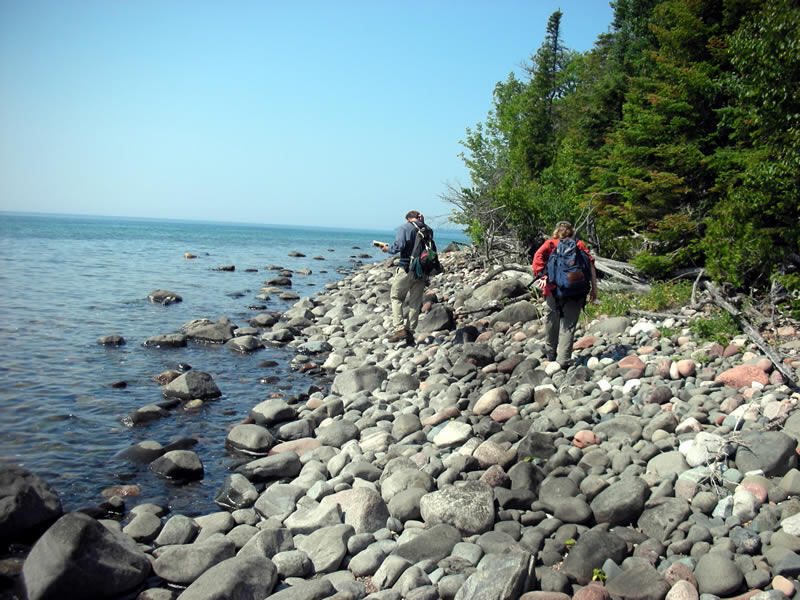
(463, 465)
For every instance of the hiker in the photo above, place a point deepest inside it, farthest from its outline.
(564, 304)
(405, 287)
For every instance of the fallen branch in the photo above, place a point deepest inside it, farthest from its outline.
(693, 301)
(752, 333)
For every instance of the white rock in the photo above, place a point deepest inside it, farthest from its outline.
(643, 326)
(631, 385)
(791, 525)
(604, 385)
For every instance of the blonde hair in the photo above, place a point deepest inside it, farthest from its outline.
(563, 230)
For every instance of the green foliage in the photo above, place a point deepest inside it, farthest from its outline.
(720, 327)
(790, 283)
(570, 543)
(609, 303)
(674, 142)
(598, 575)
(664, 295)
(667, 332)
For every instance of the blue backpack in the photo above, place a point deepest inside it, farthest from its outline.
(569, 269)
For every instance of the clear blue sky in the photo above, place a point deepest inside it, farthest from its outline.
(339, 113)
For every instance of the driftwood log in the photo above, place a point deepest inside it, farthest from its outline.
(752, 333)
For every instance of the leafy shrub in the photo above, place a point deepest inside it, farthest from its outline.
(664, 295)
(652, 264)
(719, 327)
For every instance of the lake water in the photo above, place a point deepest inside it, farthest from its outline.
(66, 281)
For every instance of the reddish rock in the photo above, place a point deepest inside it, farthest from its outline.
(502, 326)
(731, 350)
(631, 362)
(503, 413)
(686, 367)
(679, 572)
(730, 404)
(742, 376)
(490, 400)
(585, 438)
(299, 447)
(764, 364)
(783, 585)
(662, 369)
(484, 337)
(593, 591)
(756, 488)
(509, 364)
(495, 476)
(775, 378)
(491, 453)
(645, 350)
(682, 590)
(715, 350)
(520, 336)
(442, 416)
(426, 306)
(586, 341)
(787, 331)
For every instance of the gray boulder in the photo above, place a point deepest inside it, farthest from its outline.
(234, 578)
(519, 312)
(80, 555)
(192, 385)
(611, 326)
(435, 544)
(717, 574)
(272, 411)
(27, 503)
(592, 549)
(621, 502)
(169, 340)
(363, 508)
(111, 340)
(236, 492)
(184, 563)
(771, 451)
(250, 438)
(662, 516)
(641, 582)
(244, 344)
(326, 547)
(496, 290)
(182, 465)
(499, 577)
(277, 466)
(470, 507)
(361, 379)
(203, 330)
(438, 318)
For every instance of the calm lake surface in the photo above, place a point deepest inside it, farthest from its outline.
(66, 281)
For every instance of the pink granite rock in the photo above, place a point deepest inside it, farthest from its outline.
(299, 447)
(787, 331)
(682, 590)
(679, 572)
(490, 400)
(491, 453)
(494, 476)
(586, 341)
(662, 368)
(742, 376)
(686, 367)
(503, 413)
(519, 336)
(645, 350)
(509, 364)
(783, 585)
(585, 438)
(631, 362)
(764, 364)
(593, 591)
(775, 378)
(441, 416)
(731, 350)
(715, 350)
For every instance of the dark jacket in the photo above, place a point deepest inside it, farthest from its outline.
(404, 243)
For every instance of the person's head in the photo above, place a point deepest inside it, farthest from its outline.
(563, 230)
(413, 215)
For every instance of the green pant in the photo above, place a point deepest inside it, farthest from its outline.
(406, 289)
(562, 319)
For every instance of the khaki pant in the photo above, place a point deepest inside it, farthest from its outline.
(406, 288)
(562, 319)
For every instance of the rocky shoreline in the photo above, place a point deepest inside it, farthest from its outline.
(464, 466)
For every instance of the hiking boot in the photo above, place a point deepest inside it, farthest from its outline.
(398, 336)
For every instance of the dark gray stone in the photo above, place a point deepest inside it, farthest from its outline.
(164, 297)
(192, 385)
(470, 507)
(717, 574)
(204, 330)
(640, 582)
(592, 549)
(435, 543)
(234, 578)
(182, 564)
(236, 492)
(27, 503)
(622, 502)
(771, 451)
(438, 318)
(181, 465)
(250, 438)
(361, 379)
(80, 555)
(499, 577)
(662, 516)
(277, 466)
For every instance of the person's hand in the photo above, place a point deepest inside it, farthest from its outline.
(384, 249)
(593, 295)
(541, 283)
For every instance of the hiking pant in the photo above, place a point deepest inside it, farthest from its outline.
(562, 319)
(406, 288)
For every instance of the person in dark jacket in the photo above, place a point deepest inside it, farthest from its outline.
(562, 316)
(406, 289)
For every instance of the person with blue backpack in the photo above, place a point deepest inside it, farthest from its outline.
(413, 238)
(564, 271)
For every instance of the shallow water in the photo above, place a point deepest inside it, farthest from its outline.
(67, 281)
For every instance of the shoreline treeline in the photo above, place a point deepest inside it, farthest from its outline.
(673, 143)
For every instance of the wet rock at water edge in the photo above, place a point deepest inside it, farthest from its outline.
(27, 503)
(180, 465)
(204, 330)
(80, 555)
(169, 340)
(191, 385)
(227, 268)
(296, 254)
(164, 297)
(111, 340)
